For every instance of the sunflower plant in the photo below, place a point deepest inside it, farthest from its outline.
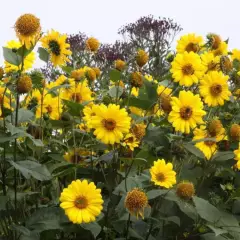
(103, 144)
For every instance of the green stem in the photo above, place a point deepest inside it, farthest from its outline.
(128, 224)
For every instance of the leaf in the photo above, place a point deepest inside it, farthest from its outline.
(11, 57)
(115, 91)
(114, 75)
(217, 231)
(73, 108)
(151, 90)
(206, 210)
(67, 69)
(156, 193)
(223, 156)
(211, 236)
(32, 169)
(21, 229)
(43, 54)
(93, 227)
(192, 149)
(24, 115)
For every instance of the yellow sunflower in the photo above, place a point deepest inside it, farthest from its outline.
(57, 46)
(110, 123)
(89, 111)
(139, 130)
(187, 68)
(164, 94)
(78, 155)
(4, 100)
(187, 111)
(235, 54)
(81, 201)
(28, 60)
(130, 141)
(214, 88)
(136, 111)
(221, 50)
(189, 42)
(28, 30)
(79, 94)
(162, 174)
(211, 62)
(237, 156)
(209, 148)
(33, 99)
(78, 74)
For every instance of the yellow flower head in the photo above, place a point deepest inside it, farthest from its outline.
(92, 44)
(89, 112)
(4, 100)
(130, 141)
(187, 111)
(235, 54)
(28, 29)
(97, 71)
(210, 62)
(235, 132)
(135, 91)
(187, 68)
(189, 43)
(141, 58)
(81, 201)
(226, 64)
(90, 74)
(79, 94)
(78, 74)
(185, 190)
(1, 73)
(24, 84)
(215, 129)
(57, 46)
(209, 148)
(136, 201)
(139, 130)
(136, 79)
(120, 64)
(33, 99)
(77, 156)
(62, 80)
(162, 174)
(164, 94)
(214, 88)
(237, 156)
(110, 123)
(28, 60)
(136, 111)
(221, 50)
(214, 40)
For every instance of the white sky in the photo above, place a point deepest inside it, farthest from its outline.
(103, 18)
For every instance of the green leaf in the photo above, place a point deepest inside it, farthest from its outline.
(24, 115)
(43, 54)
(115, 91)
(217, 231)
(11, 57)
(192, 149)
(211, 236)
(93, 227)
(223, 156)
(73, 108)
(114, 75)
(156, 193)
(32, 169)
(206, 210)
(67, 69)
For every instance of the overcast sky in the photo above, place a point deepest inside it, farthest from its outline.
(103, 18)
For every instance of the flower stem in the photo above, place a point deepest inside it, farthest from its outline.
(128, 224)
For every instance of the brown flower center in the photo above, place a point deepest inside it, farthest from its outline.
(192, 47)
(77, 97)
(130, 140)
(212, 66)
(216, 89)
(185, 113)
(49, 109)
(81, 202)
(209, 143)
(188, 69)
(109, 124)
(76, 158)
(160, 177)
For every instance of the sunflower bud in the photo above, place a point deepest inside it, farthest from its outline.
(90, 74)
(97, 71)
(185, 190)
(142, 58)
(214, 127)
(136, 79)
(165, 101)
(24, 84)
(235, 132)
(92, 44)
(120, 64)
(225, 64)
(139, 130)
(214, 40)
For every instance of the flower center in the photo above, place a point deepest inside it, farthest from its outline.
(188, 69)
(49, 109)
(76, 158)
(54, 47)
(81, 202)
(160, 177)
(109, 124)
(185, 113)
(209, 143)
(212, 66)
(216, 89)
(77, 97)
(130, 140)
(192, 47)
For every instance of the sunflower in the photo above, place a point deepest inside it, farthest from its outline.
(79, 94)
(136, 111)
(214, 88)
(139, 130)
(136, 201)
(216, 129)
(185, 190)
(209, 147)
(237, 157)
(189, 43)
(130, 141)
(33, 99)
(81, 201)
(235, 132)
(78, 155)
(28, 30)
(235, 54)
(164, 94)
(24, 84)
(187, 68)
(92, 44)
(57, 46)
(110, 123)
(221, 50)
(28, 60)
(120, 64)
(78, 74)
(162, 174)
(4, 100)
(51, 107)
(187, 111)
(89, 111)
(210, 62)
(135, 91)
(141, 58)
